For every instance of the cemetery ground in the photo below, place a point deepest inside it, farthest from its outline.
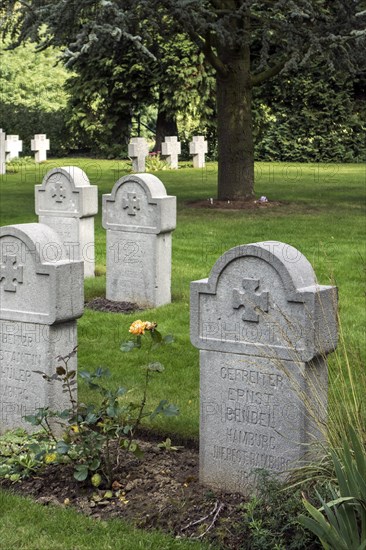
(318, 209)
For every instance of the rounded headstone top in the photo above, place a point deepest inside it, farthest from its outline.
(66, 192)
(291, 265)
(76, 175)
(262, 299)
(38, 284)
(139, 203)
(39, 238)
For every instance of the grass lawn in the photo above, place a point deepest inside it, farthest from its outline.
(25, 525)
(324, 217)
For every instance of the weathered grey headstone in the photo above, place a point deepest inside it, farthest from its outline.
(198, 148)
(41, 295)
(138, 149)
(68, 203)
(139, 218)
(13, 146)
(2, 152)
(264, 327)
(170, 149)
(40, 144)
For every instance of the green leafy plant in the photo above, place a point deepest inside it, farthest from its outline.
(154, 163)
(269, 518)
(167, 445)
(89, 430)
(340, 523)
(21, 454)
(14, 165)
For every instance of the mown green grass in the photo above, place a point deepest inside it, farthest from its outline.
(25, 525)
(323, 215)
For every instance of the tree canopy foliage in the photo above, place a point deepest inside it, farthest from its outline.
(32, 98)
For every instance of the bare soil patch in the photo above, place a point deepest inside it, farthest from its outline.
(161, 490)
(102, 304)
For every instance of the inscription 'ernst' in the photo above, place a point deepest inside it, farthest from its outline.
(250, 300)
(11, 273)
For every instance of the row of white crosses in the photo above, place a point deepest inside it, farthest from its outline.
(11, 146)
(138, 150)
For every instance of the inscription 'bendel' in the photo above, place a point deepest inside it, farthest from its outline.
(11, 272)
(132, 203)
(250, 300)
(58, 192)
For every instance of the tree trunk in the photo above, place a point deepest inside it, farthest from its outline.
(166, 125)
(234, 129)
(122, 129)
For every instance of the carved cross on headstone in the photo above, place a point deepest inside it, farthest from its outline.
(132, 203)
(58, 192)
(11, 272)
(250, 300)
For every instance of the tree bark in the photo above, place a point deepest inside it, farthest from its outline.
(235, 129)
(166, 125)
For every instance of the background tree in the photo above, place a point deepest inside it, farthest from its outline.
(32, 96)
(312, 115)
(247, 42)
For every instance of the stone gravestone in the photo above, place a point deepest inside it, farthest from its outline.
(170, 149)
(41, 295)
(139, 218)
(40, 144)
(68, 203)
(2, 152)
(13, 146)
(264, 327)
(198, 148)
(138, 150)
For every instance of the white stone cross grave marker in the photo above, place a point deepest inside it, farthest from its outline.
(13, 146)
(263, 326)
(138, 149)
(68, 203)
(41, 296)
(170, 149)
(139, 218)
(40, 144)
(198, 148)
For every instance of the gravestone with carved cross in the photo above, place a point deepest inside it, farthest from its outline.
(139, 218)
(2, 152)
(138, 149)
(41, 296)
(68, 203)
(198, 148)
(170, 149)
(264, 327)
(40, 145)
(13, 146)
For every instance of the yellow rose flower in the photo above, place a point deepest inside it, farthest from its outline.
(75, 428)
(137, 327)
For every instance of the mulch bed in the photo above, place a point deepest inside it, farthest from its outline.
(102, 304)
(161, 490)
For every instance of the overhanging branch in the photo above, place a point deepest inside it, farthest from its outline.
(259, 78)
(211, 57)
